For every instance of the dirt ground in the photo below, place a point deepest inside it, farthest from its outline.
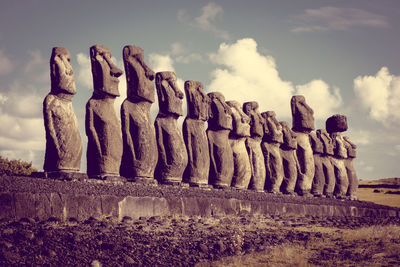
(242, 240)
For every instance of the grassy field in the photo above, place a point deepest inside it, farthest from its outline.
(368, 194)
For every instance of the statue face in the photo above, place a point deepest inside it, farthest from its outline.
(169, 95)
(272, 129)
(105, 73)
(62, 76)
(256, 120)
(302, 114)
(197, 101)
(139, 77)
(240, 122)
(220, 113)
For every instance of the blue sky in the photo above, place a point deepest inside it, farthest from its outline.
(342, 55)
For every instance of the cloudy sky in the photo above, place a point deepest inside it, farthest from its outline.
(342, 55)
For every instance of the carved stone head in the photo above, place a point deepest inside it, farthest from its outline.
(105, 73)
(220, 113)
(240, 121)
(273, 129)
(326, 140)
(350, 146)
(139, 76)
(302, 114)
(256, 120)
(61, 74)
(197, 101)
(169, 95)
(289, 138)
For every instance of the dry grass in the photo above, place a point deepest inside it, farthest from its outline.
(367, 194)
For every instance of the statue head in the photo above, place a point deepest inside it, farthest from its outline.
(326, 140)
(139, 76)
(272, 129)
(105, 73)
(289, 138)
(197, 101)
(302, 114)
(61, 74)
(220, 114)
(169, 95)
(256, 120)
(240, 121)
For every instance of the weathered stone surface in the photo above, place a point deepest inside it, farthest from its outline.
(103, 127)
(319, 177)
(327, 166)
(289, 159)
(194, 134)
(302, 124)
(340, 154)
(302, 115)
(172, 154)
(237, 137)
(272, 140)
(253, 145)
(63, 141)
(351, 171)
(140, 153)
(219, 126)
(336, 123)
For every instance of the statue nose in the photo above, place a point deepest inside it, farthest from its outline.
(115, 71)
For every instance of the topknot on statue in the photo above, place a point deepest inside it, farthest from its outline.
(336, 123)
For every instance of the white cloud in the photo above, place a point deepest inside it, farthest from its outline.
(34, 61)
(186, 59)
(339, 19)
(206, 21)
(317, 92)
(380, 95)
(359, 137)
(6, 63)
(84, 76)
(160, 62)
(247, 75)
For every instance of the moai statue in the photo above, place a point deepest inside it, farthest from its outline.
(273, 138)
(194, 134)
(140, 153)
(351, 171)
(103, 128)
(237, 138)
(289, 159)
(318, 183)
(325, 157)
(63, 141)
(334, 126)
(302, 125)
(253, 144)
(219, 126)
(172, 154)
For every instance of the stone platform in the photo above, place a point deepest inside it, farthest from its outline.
(41, 199)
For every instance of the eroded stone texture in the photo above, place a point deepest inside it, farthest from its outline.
(289, 159)
(253, 145)
(194, 134)
(140, 153)
(327, 166)
(336, 123)
(237, 137)
(270, 145)
(351, 171)
(103, 128)
(219, 126)
(172, 154)
(63, 141)
(338, 159)
(303, 124)
(318, 184)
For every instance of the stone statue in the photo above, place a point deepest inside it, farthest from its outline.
(219, 126)
(351, 171)
(327, 166)
(319, 178)
(289, 159)
(172, 154)
(237, 137)
(273, 138)
(302, 125)
(335, 125)
(103, 128)
(253, 145)
(140, 153)
(63, 141)
(194, 134)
